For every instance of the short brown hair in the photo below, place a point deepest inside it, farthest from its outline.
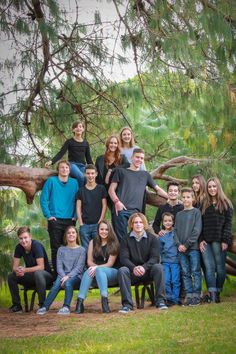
(63, 161)
(187, 190)
(23, 229)
(141, 216)
(167, 214)
(74, 125)
(90, 167)
(172, 183)
(138, 151)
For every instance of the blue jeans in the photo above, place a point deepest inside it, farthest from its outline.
(191, 271)
(69, 286)
(214, 261)
(120, 223)
(104, 276)
(172, 273)
(87, 233)
(77, 171)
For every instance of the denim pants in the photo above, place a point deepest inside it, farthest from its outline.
(56, 231)
(126, 278)
(172, 273)
(87, 233)
(77, 171)
(191, 271)
(40, 279)
(214, 261)
(69, 286)
(120, 222)
(104, 276)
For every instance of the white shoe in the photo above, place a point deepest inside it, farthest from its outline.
(42, 311)
(64, 311)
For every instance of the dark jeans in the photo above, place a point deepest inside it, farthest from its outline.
(120, 222)
(126, 279)
(56, 230)
(87, 233)
(191, 271)
(39, 280)
(69, 286)
(214, 261)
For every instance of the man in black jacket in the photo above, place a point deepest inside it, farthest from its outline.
(139, 257)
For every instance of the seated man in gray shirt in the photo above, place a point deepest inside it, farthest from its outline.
(127, 192)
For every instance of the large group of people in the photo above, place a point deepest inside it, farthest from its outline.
(190, 236)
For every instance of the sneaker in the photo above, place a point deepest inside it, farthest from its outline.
(64, 311)
(195, 301)
(125, 309)
(16, 309)
(42, 311)
(162, 306)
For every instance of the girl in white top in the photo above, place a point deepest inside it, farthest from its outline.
(128, 144)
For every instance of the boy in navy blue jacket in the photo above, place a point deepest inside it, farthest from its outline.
(170, 260)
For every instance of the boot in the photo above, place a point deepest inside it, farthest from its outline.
(213, 296)
(105, 305)
(217, 297)
(79, 306)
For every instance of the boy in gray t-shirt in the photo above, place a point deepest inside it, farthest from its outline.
(188, 225)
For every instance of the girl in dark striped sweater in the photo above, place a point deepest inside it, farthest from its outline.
(217, 213)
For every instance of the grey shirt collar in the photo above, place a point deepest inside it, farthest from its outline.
(132, 234)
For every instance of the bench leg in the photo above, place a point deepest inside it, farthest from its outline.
(143, 297)
(32, 300)
(26, 300)
(137, 296)
(150, 290)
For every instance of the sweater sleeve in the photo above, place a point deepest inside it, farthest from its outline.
(157, 221)
(227, 227)
(154, 254)
(176, 235)
(88, 155)
(44, 199)
(79, 265)
(61, 153)
(196, 230)
(60, 269)
(125, 255)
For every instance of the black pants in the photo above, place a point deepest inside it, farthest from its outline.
(56, 230)
(126, 279)
(39, 279)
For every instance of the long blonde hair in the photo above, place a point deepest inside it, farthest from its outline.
(132, 142)
(222, 202)
(200, 196)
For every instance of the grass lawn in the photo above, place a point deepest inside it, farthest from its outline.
(203, 329)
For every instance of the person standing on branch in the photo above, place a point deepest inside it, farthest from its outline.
(78, 153)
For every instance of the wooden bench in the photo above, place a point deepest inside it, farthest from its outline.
(146, 288)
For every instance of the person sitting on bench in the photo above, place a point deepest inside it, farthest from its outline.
(35, 274)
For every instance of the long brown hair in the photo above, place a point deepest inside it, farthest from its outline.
(222, 202)
(117, 153)
(200, 196)
(65, 234)
(113, 245)
(132, 142)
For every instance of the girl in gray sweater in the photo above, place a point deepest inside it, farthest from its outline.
(70, 265)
